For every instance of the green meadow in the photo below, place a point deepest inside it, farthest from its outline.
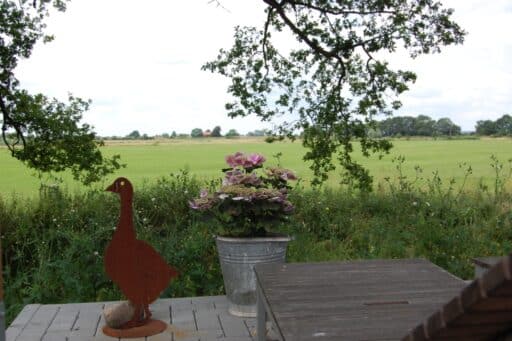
(204, 158)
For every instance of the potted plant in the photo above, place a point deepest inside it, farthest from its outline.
(250, 202)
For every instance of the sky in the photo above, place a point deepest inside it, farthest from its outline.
(140, 64)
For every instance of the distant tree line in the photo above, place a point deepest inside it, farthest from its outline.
(421, 125)
(501, 127)
(395, 126)
(216, 132)
(425, 126)
(195, 133)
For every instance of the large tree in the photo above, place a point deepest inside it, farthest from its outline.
(216, 132)
(196, 132)
(445, 126)
(504, 125)
(334, 81)
(44, 133)
(486, 127)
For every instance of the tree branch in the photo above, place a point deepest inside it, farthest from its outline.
(312, 44)
(337, 12)
(7, 120)
(370, 59)
(317, 48)
(264, 40)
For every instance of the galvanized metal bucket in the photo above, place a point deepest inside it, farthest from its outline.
(237, 259)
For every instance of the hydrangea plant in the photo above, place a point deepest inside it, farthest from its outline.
(251, 199)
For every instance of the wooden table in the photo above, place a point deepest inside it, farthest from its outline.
(356, 300)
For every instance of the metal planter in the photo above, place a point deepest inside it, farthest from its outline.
(237, 259)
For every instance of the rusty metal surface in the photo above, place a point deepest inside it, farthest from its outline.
(152, 327)
(139, 271)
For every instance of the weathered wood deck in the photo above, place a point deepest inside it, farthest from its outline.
(190, 319)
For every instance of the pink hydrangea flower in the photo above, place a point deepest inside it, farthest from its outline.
(237, 159)
(233, 177)
(246, 161)
(250, 198)
(256, 159)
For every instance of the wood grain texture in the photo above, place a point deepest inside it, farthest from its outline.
(357, 300)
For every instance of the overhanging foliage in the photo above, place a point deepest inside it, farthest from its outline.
(333, 82)
(44, 133)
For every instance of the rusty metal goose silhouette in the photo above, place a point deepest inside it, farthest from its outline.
(139, 271)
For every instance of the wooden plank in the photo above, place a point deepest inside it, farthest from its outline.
(25, 315)
(87, 322)
(211, 334)
(233, 326)
(207, 320)
(161, 310)
(99, 336)
(39, 322)
(183, 317)
(204, 303)
(56, 335)
(64, 320)
(20, 321)
(165, 336)
(12, 333)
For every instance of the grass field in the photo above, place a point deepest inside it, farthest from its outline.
(148, 160)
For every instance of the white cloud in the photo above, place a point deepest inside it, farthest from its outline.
(140, 64)
(472, 81)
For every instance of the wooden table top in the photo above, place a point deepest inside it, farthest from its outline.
(356, 300)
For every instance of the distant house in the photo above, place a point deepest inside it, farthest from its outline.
(207, 133)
